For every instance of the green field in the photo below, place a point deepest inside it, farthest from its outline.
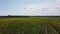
(32, 25)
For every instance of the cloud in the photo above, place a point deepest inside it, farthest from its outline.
(39, 9)
(35, 7)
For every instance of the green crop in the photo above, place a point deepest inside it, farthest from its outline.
(32, 25)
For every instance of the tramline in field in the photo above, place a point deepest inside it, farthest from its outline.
(32, 25)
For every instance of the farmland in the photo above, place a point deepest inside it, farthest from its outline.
(30, 25)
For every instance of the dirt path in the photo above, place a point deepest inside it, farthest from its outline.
(45, 28)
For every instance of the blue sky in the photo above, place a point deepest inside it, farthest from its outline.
(30, 7)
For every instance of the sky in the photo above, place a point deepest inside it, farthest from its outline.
(30, 7)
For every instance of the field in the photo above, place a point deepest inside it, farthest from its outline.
(30, 25)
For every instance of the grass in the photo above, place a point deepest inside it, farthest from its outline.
(32, 25)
